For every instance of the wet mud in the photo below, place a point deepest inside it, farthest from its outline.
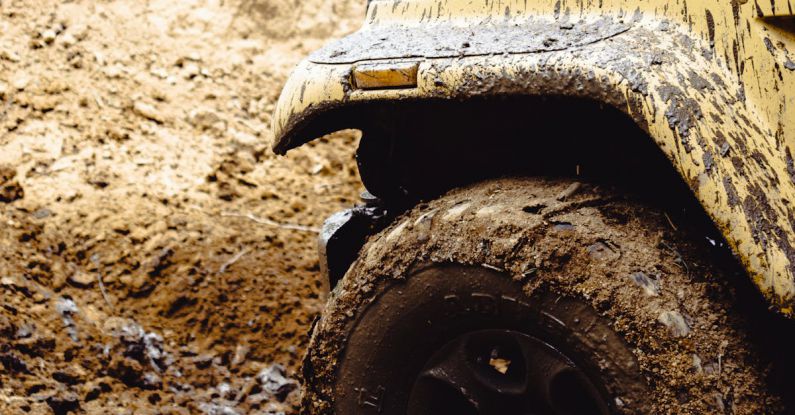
(155, 256)
(647, 278)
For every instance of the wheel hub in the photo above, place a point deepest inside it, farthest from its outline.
(505, 372)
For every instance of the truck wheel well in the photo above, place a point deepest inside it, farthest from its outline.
(416, 151)
(412, 151)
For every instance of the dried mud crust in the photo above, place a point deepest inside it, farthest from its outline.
(624, 259)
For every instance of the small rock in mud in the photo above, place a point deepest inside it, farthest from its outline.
(10, 190)
(82, 279)
(275, 383)
(225, 391)
(138, 345)
(48, 36)
(216, 409)
(67, 308)
(241, 352)
(697, 366)
(650, 286)
(67, 40)
(147, 111)
(42, 213)
(44, 103)
(152, 381)
(569, 191)
(203, 361)
(562, 226)
(190, 71)
(24, 331)
(10, 282)
(10, 56)
(135, 351)
(245, 139)
(601, 250)
(20, 82)
(675, 322)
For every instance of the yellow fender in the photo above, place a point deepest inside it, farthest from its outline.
(712, 83)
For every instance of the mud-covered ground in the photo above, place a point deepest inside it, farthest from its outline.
(145, 265)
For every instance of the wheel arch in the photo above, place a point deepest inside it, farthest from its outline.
(686, 101)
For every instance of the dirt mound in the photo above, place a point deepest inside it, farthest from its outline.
(143, 267)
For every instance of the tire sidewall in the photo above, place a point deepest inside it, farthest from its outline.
(408, 321)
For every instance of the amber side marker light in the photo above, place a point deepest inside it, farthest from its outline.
(387, 75)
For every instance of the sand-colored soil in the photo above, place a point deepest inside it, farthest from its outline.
(140, 268)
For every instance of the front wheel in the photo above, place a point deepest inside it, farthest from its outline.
(532, 297)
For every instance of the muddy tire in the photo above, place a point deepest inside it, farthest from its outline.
(535, 296)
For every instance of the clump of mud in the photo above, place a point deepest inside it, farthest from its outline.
(144, 265)
(10, 190)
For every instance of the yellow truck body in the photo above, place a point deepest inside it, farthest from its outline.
(711, 83)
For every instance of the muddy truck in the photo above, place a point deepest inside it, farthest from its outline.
(572, 207)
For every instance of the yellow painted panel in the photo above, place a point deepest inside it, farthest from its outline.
(713, 83)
